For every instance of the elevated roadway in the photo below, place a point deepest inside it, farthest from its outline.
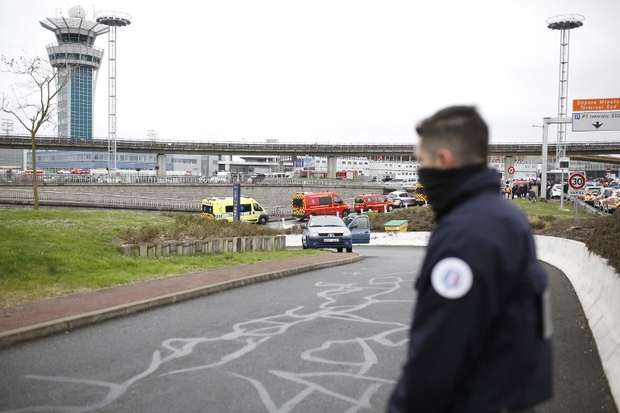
(283, 149)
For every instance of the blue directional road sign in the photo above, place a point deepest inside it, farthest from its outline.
(596, 121)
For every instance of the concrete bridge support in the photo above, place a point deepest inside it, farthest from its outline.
(161, 164)
(508, 163)
(332, 164)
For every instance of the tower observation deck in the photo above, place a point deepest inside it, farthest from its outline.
(75, 54)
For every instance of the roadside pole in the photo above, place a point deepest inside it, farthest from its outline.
(576, 188)
(543, 172)
(576, 209)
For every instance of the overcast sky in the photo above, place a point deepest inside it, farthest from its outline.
(334, 71)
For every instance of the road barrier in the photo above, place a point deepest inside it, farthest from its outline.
(598, 287)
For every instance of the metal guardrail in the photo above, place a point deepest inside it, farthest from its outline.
(582, 204)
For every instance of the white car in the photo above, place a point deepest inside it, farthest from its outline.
(401, 199)
(556, 191)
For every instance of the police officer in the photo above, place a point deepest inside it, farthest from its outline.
(480, 339)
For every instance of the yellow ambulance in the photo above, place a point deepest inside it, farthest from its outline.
(222, 208)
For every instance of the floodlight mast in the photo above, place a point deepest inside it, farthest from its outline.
(114, 20)
(564, 23)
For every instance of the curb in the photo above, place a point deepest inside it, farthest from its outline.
(67, 324)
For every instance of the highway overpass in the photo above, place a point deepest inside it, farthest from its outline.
(283, 149)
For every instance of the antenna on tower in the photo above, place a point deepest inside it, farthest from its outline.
(114, 20)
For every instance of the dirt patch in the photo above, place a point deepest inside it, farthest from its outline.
(581, 230)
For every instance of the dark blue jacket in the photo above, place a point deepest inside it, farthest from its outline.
(489, 349)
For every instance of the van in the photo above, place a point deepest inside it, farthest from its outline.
(372, 202)
(222, 208)
(318, 203)
(223, 176)
(419, 194)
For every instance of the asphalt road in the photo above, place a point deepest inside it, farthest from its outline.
(330, 340)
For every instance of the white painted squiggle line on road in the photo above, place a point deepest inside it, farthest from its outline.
(363, 402)
(259, 331)
(368, 356)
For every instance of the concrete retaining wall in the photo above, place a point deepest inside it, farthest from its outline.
(598, 287)
(213, 246)
(276, 198)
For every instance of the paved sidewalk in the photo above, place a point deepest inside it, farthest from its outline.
(46, 317)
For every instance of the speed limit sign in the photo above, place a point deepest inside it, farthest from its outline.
(577, 183)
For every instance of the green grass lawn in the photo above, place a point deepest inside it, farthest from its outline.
(551, 208)
(48, 253)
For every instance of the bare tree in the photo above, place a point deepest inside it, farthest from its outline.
(33, 100)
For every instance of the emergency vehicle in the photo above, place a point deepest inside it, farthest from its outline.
(373, 202)
(306, 204)
(420, 195)
(222, 208)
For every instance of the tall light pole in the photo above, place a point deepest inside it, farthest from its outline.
(113, 20)
(564, 24)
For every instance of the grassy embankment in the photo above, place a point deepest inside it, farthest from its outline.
(49, 253)
(540, 215)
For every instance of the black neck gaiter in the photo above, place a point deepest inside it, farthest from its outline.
(440, 183)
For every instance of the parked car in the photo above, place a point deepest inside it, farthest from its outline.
(372, 202)
(610, 203)
(329, 231)
(556, 191)
(402, 199)
(591, 194)
(605, 193)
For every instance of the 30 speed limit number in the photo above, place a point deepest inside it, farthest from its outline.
(576, 183)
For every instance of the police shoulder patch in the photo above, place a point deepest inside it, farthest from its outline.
(452, 278)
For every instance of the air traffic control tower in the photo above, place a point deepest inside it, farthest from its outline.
(75, 51)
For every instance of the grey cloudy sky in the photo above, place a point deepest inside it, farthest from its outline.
(335, 70)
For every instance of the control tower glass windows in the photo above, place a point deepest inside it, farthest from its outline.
(74, 56)
(75, 38)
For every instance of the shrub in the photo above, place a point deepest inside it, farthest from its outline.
(146, 233)
(538, 224)
(419, 219)
(605, 241)
(193, 226)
